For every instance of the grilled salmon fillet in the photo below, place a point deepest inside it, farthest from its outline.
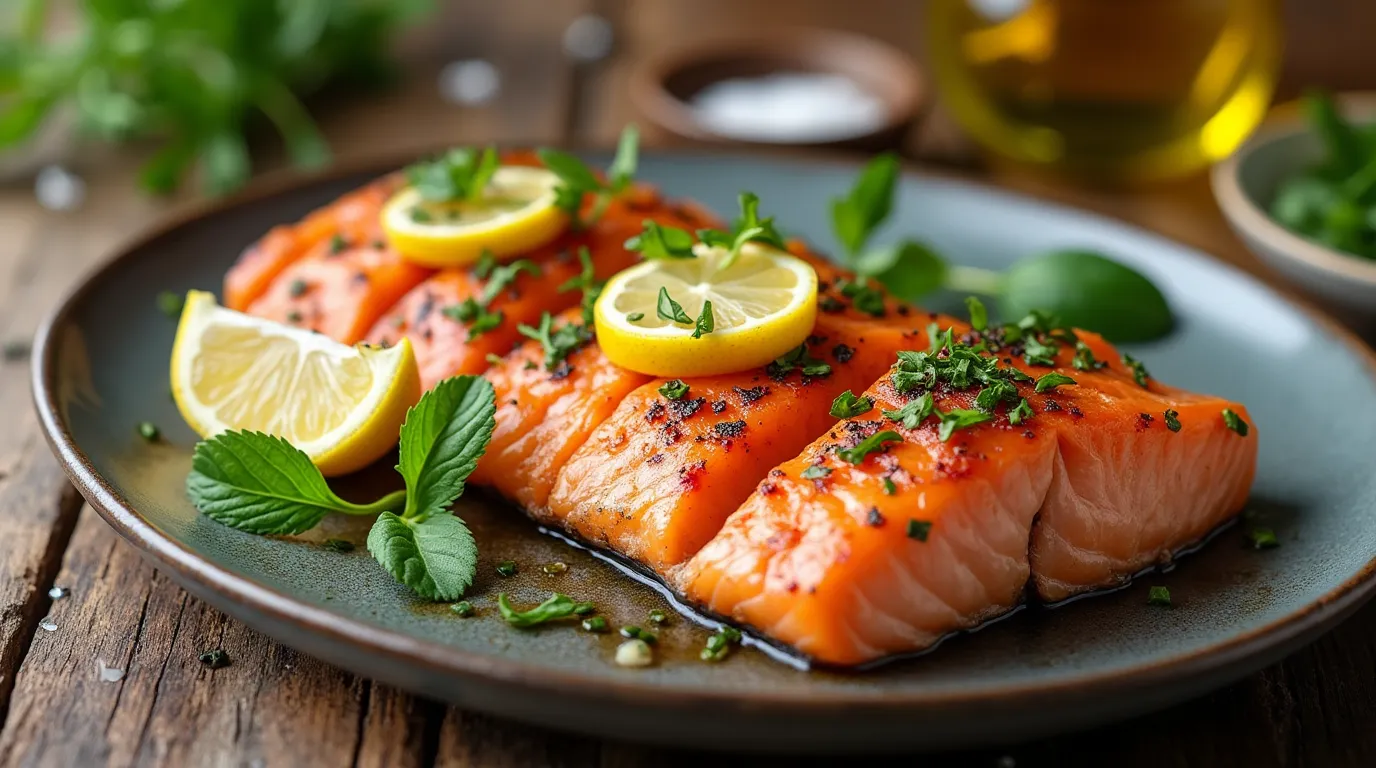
(445, 347)
(853, 562)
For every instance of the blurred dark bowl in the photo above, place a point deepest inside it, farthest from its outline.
(663, 85)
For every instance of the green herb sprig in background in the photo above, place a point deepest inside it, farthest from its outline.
(194, 75)
(262, 484)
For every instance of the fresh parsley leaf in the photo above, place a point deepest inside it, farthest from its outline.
(855, 216)
(1139, 371)
(1172, 419)
(262, 484)
(442, 439)
(657, 241)
(959, 418)
(1051, 380)
(587, 282)
(436, 556)
(1234, 422)
(847, 405)
(798, 359)
(863, 297)
(918, 530)
(576, 179)
(995, 392)
(873, 443)
(671, 310)
(674, 389)
(1038, 352)
(559, 342)
(501, 276)
(623, 166)
(979, 316)
(706, 322)
(478, 319)
(914, 412)
(555, 608)
(1020, 413)
(1084, 358)
(459, 174)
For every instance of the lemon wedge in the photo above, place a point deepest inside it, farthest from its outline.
(516, 214)
(343, 406)
(763, 305)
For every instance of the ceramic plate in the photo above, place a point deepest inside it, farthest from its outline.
(102, 368)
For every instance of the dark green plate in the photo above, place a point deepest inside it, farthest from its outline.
(102, 368)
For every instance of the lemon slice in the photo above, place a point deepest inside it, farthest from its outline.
(342, 405)
(763, 305)
(516, 214)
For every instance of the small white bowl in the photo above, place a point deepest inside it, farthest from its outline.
(1245, 185)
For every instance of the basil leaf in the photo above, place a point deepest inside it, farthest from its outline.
(556, 607)
(435, 556)
(441, 441)
(262, 484)
(855, 216)
(1088, 290)
(909, 269)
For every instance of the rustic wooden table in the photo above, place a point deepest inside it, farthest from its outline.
(274, 707)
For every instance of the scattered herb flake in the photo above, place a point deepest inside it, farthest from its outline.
(1263, 538)
(1050, 381)
(595, 624)
(979, 316)
(1172, 420)
(1139, 371)
(720, 644)
(847, 405)
(507, 568)
(815, 472)
(872, 444)
(1159, 596)
(674, 389)
(463, 609)
(918, 530)
(889, 487)
(1234, 422)
(1022, 412)
(553, 609)
(148, 431)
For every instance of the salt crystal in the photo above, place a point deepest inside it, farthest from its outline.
(470, 81)
(48, 624)
(58, 189)
(57, 593)
(108, 674)
(589, 38)
(789, 107)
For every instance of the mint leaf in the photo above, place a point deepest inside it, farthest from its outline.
(436, 557)
(855, 216)
(262, 484)
(444, 436)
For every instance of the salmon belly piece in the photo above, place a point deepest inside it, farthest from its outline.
(657, 480)
(444, 346)
(341, 288)
(544, 416)
(353, 217)
(853, 563)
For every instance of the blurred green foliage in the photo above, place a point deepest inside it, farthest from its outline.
(191, 74)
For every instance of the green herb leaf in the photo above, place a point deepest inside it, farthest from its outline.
(559, 342)
(873, 443)
(555, 608)
(855, 216)
(815, 472)
(587, 282)
(171, 304)
(1159, 596)
(623, 165)
(979, 316)
(914, 412)
(863, 297)
(1084, 358)
(706, 323)
(1088, 290)
(657, 241)
(1050, 381)
(1021, 413)
(957, 419)
(441, 441)
(671, 310)
(1139, 371)
(502, 276)
(889, 487)
(261, 484)
(1172, 420)
(798, 359)
(459, 174)
(634, 317)
(674, 389)
(1234, 422)
(909, 270)
(919, 529)
(847, 405)
(576, 178)
(1262, 538)
(435, 556)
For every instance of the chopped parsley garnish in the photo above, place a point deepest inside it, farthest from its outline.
(1159, 596)
(997, 391)
(668, 309)
(862, 297)
(1263, 538)
(959, 418)
(889, 487)
(170, 303)
(587, 282)
(1050, 381)
(979, 316)
(1234, 422)
(1037, 352)
(815, 472)
(798, 359)
(1021, 413)
(749, 228)
(872, 444)
(459, 174)
(577, 180)
(1172, 420)
(719, 645)
(914, 412)
(635, 317)
(501, 276)
(658, 241)
(1084, 358)
(919, 529)
(297, 288)
(338, 243)
(674, 389)
(558, 343)
(706, 322)
(1139, 371)
(478, 319)
(555, 608)
(148, 431)
(847, 405)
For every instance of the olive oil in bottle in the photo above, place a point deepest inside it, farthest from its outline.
(1120, 90)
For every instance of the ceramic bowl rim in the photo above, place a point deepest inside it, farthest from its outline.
(1249, 218)
(1301, 624)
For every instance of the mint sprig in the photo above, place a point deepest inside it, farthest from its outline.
(261, 484)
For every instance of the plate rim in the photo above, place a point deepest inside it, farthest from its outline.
(1301, 625)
